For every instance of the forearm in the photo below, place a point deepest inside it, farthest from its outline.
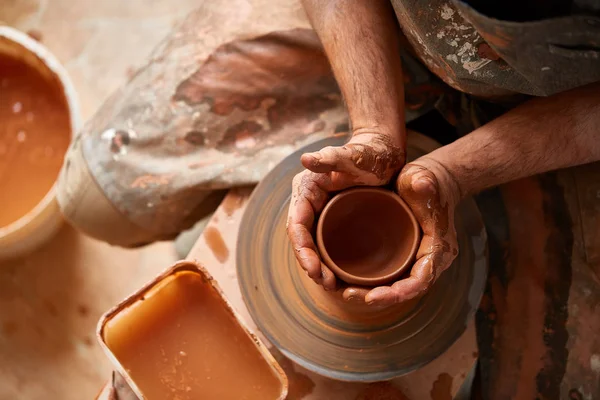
(542, 135)
(360, 39)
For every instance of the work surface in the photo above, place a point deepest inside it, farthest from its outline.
(539, 319)
(442, 379)
(542, 231)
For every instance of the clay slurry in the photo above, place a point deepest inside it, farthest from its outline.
(368, 235)
(34, 135)
(182, 343)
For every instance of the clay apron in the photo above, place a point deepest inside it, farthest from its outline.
(500, 60)
(492, 61)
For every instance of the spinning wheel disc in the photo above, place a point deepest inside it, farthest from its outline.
(317, 329)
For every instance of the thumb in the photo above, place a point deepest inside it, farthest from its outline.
(328, 159)
(419, 188)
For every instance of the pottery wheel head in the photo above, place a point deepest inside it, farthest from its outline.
(317, 329)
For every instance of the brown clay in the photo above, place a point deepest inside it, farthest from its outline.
(35, 132)
(324, 332)
(367, 236)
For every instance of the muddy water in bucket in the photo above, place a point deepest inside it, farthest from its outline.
(34, 136)
(179, 341)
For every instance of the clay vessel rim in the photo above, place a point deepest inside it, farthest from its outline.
(357, 279)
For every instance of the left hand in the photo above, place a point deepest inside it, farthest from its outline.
(370, 158)
(432, 194)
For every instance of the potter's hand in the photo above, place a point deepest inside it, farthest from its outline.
(368, 159)
(432, 195)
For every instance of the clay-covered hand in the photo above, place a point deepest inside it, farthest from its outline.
(432, 194)
(368, 159)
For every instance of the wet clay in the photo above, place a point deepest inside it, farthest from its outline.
(367, 234)
(215, 242)
(381, 391)
(182, 342)
(381, 162)
(34, 136)
(320, 327)
(442, 388)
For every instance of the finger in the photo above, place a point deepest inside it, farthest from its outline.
(417, 284)
(308, 197)
(432, 206)
(327, 278)
(442, 251)
(328, 159)
(308, 258)
(299, 232)
(419, 188)
(301, 216)
(355, 294)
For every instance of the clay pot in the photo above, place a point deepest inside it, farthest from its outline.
(368, 236)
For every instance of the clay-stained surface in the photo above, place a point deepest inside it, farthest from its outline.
(50, 303)
(303, 384)
(541, 309)
(220, 102)
(51, 300)
(456, 362)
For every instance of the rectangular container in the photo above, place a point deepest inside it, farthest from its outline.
(132, 305)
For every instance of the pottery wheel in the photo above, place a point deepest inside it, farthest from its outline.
(319, 333)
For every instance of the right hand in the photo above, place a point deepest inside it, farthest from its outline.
(368, 159)
(432, 194)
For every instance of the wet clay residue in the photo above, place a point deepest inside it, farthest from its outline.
(144, 181)
(9, 328)
(87, 340)
(286, 73)
(216, 244)
(183, 343)
(240, 135)
(382, 162)
(34, 135)
(232, 203)
(83, 310)
(51, 307)
(381, 391)
(529, 351)
(442, 388)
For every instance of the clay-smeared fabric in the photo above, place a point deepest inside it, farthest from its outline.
(242, 84)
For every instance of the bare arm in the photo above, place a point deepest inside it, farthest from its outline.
(361, 41)
(541, 135)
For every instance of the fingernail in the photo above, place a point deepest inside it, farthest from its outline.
(351, 299)
(370, 301)
(316, 156)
